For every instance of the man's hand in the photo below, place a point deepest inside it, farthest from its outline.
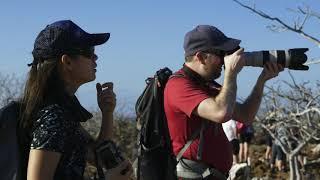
(270, 70)
(234, 62)
(106, 97)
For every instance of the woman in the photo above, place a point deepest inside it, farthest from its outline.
(64, 59)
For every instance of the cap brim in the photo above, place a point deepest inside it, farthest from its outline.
(229, 45)
(98, 39)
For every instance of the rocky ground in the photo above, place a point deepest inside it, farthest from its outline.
(125, 136)
(261, 170)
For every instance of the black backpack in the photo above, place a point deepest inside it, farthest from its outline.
(9, 146)
(155, 158)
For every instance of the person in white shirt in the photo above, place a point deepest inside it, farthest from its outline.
(230, 130)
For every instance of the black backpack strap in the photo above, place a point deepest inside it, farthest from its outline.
(176, 75)
(194, 135)
(138, 166)
(200, 147)
(193, 166)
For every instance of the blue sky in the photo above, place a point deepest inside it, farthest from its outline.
(148, 35)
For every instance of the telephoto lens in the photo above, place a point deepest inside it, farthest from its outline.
(292, 58)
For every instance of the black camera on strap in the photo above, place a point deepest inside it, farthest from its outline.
(107, 156)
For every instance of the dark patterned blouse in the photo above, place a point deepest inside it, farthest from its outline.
(58, 129)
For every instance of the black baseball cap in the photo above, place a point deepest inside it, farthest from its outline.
(62, 37)
(205, 38)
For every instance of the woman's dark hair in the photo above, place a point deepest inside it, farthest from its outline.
(42, 86)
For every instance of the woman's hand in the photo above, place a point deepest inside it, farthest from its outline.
(107, 103)
(106, 97)
(122, 172)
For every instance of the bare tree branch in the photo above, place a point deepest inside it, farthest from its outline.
(306, 10)
(317, 161)
(296, 28)
(312, 62)
(312, 109)
(296, 110)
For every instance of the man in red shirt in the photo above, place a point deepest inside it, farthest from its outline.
(192, 98)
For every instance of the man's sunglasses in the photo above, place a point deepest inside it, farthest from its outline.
(222, 53)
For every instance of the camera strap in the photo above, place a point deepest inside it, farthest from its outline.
(99, 167)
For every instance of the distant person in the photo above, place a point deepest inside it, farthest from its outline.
(230, 129)
(269, 140)
(63, 59)
(245, 133)
(194, 101)
(278, 157)
(267, 155)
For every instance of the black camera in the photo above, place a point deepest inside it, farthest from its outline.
(291, 58)
(108, 155)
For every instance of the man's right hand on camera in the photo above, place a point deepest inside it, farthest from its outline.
(233, 63)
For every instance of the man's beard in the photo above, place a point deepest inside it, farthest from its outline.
(215, 75)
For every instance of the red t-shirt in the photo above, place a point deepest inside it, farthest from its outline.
(181, 97)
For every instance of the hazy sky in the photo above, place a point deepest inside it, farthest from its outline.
(148, 35)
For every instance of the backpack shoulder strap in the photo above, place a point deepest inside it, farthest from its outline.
(176, 75)
(194, 135)
(201, 141)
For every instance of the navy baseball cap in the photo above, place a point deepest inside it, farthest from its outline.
(62, 37)
(205, 38)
